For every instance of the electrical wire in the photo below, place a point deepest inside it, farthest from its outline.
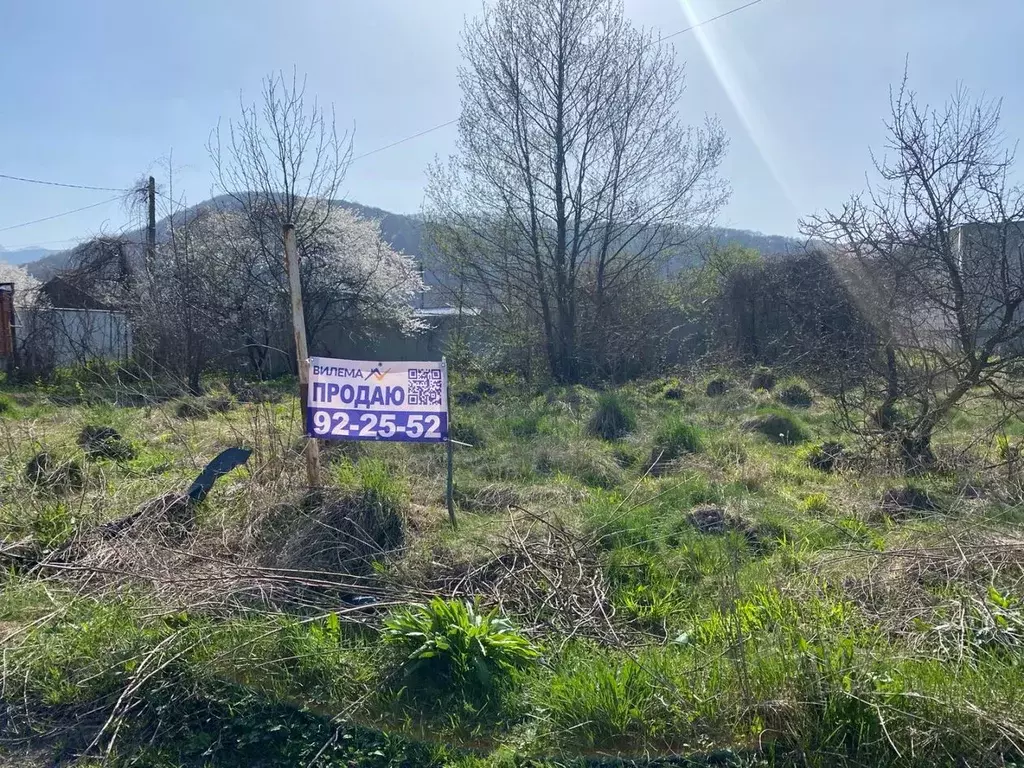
(659, 40)
(58, 215)
(713, 18)
(402, 141)
(61, 184)
(372, 152)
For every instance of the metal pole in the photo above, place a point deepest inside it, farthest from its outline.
(449, 450)
(291, 262)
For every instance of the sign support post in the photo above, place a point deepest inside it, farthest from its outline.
(291, 262)
(449, 495)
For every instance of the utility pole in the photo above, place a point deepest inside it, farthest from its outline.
(291, 263)
(151, 224)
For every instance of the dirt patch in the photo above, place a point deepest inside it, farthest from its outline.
(717, 522)
(100, 442)
(796, 396)
(496, 497)
(717, 388)
(674, 392)
(827, 457)
(762, 378)
(907, 502)
(202, 408)
(47, 472)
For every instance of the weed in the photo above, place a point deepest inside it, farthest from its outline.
(605, 701)
(815, 504)
(449, 644)
(614, 418)
(675, 438)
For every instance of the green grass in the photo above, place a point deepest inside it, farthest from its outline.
(613, 418)
(808, 629)
(675, 438)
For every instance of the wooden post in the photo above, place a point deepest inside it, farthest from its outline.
(449, 450)
(291, 262)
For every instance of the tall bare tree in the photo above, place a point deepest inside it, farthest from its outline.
(283, 160)
(574, 175)
(935, 251)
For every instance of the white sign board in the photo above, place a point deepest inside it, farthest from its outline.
(370, 400)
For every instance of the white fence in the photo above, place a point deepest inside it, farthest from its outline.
(56, 337)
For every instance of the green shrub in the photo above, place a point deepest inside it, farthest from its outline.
(455, 646)
(524, 425)
(675, 438)
(613, 419)
(6, 405)
(643, 588)
(779, 426)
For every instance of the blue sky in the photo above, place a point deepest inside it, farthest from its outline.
(101, 93)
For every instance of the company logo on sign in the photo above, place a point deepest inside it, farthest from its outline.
(391, 401)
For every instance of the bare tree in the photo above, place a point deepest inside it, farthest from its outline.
(283, 162)
(574, 176)
(936, 255)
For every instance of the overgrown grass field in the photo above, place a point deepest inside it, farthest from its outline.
(647, 574)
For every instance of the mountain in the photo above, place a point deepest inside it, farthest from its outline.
(24, 255)
(405, 233)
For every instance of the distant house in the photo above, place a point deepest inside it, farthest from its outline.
(61, 293)
(68, 326)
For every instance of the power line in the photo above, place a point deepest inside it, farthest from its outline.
(713, 18)
(402, 141)
(660, 39)
(58, 215)
(386, 146)
(62, 184)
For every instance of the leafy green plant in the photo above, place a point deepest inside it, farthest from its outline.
(816, 503)
(614, 417)
(644, 589)
(455, 645)
(675, 438)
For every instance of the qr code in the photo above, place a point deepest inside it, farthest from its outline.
(424, 386)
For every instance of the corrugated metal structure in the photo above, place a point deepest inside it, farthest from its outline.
(49, 337)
